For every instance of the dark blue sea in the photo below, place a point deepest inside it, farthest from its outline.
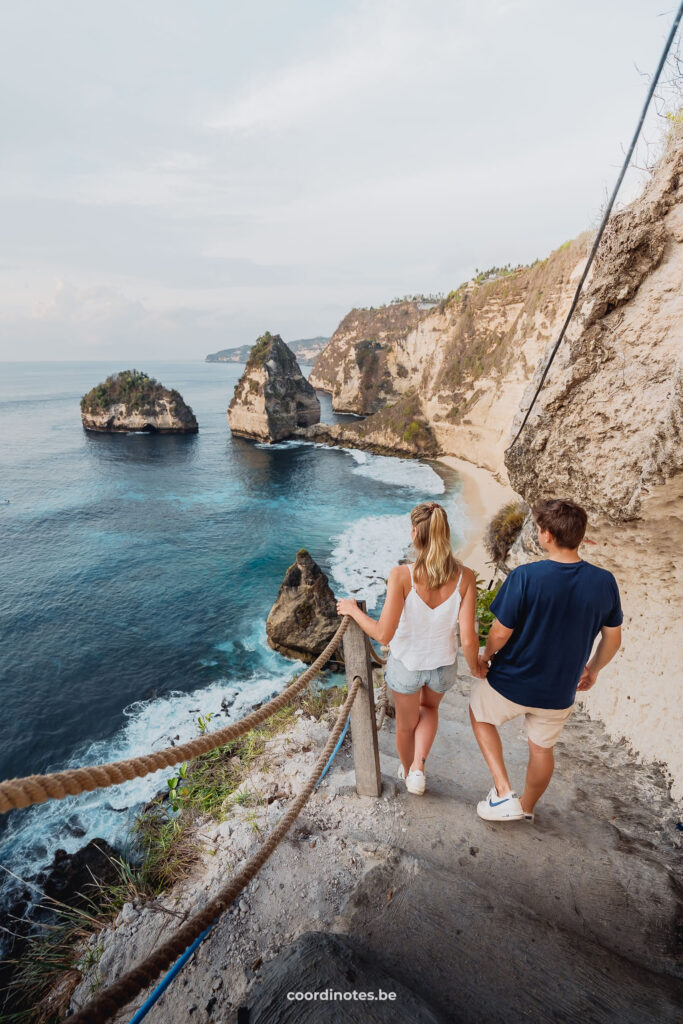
(138, 570)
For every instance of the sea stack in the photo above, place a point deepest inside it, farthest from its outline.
(273, 397)
(131, 400)
(304, 617)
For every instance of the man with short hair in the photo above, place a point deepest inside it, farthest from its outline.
(547, 616)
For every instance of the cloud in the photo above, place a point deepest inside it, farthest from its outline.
(367, 55)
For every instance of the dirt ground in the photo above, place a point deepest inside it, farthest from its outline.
(576, 917)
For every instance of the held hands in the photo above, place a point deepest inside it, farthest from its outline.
(346, 606)
(482, 668)
(589, 678)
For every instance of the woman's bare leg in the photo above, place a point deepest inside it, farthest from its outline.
(426, 727)
(407, 717)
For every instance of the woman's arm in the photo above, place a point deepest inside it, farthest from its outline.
(383, 630)
(469, 640)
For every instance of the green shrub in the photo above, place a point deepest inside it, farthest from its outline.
(133, 388)
(504, 529)
(260, 350)
(411, 431)
(483, 613)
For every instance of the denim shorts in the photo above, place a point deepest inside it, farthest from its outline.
(406, 680)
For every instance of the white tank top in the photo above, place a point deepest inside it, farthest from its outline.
(425, 637)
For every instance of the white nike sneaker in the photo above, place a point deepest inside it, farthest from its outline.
(500, 808)
(415, 782)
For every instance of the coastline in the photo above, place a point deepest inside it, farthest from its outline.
(483, 495)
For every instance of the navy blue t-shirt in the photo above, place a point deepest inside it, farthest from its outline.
(556, 610)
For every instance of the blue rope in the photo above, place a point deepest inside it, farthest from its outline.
(334, 753)
(176, 969)
(179, 964)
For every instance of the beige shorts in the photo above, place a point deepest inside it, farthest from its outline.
(543, 725)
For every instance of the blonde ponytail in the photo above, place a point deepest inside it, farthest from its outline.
(435, 563)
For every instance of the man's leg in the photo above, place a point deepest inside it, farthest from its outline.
(491, 747)
(538, 775)
(426, 727)
(407, 717)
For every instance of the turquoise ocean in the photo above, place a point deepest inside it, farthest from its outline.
(138, 570)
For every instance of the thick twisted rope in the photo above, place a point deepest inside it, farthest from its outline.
(36, 789)
(112, 999)
(381, 705)
(382, 702)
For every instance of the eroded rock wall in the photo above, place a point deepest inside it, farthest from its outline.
(606, 431)
(465, 360)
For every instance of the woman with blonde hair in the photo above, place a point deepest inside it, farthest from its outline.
(425, 601)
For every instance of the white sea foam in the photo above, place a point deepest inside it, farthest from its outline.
(389, 469)
(385, 469)
(367, 550)
(277, 446)
(32, 838)
(364, 554)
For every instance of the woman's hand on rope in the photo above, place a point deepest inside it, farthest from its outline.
(347, 606)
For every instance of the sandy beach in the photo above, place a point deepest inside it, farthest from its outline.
(484, 495)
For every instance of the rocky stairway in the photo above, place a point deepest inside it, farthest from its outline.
(572, 918)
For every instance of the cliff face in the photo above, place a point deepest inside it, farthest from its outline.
(606, 431)
(356, 366)
(465, 361)
(131, 400)
(272, 397)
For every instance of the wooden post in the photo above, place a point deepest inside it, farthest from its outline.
(363, 725)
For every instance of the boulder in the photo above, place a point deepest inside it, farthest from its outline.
(131, 400)
(304, 617)
(272, 397)
(74, 878)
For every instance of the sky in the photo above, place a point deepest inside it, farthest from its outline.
(177, 178)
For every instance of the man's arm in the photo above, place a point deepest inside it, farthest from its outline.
(469, 640)
(496, 640)
(610, 642)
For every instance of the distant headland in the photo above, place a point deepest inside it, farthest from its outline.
(306, 350)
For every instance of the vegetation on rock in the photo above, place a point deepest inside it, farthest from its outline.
(406, 422)
(504, 529)
(132, 388)
(260, 349)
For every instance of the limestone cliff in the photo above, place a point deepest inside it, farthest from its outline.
(606, 431)
(400, 429)
(132, 400)
(356, 366)
(272, 397)
(465, 360)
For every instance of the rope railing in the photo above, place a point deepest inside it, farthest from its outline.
(127, 987)
(36, 789)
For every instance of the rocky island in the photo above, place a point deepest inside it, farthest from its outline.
(272, 397)
(132, 400)
(304, 617)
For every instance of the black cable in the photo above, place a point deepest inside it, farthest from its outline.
(603, 225)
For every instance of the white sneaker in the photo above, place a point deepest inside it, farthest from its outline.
(500, 808)
(400, 774)
(529, 816)
(415, 783)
